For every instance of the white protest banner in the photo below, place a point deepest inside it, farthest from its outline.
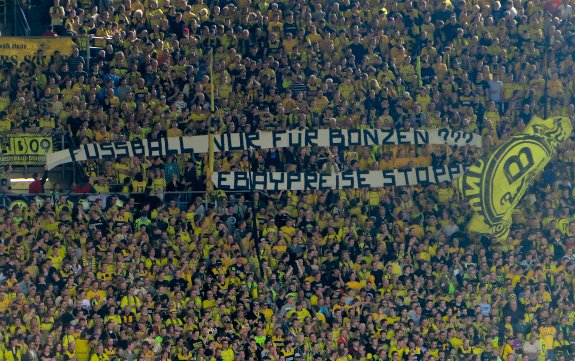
(262, 140)
(342, 138)
(297, 181)
(136, 148)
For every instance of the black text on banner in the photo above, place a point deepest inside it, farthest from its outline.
(276, 181)
(342, 138)
(263, 140)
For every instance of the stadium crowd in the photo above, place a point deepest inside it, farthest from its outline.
(137, 272)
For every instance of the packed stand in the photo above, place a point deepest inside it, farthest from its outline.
(375, 274)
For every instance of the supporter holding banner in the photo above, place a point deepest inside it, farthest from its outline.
(296, 181)
(264, 140)
(495, 184)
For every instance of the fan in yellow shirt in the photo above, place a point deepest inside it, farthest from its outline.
(174, 131)
(227, 354)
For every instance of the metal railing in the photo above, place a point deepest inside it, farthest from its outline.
(21, 26)
(90, 47)
(182, 198)
(53, 133)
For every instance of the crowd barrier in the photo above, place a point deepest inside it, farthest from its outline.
(183, 199)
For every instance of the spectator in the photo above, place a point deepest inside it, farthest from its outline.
(57, 14)
(339, 275)
(75, 60)
(37, 185)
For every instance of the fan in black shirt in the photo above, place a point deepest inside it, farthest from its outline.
(96, 222)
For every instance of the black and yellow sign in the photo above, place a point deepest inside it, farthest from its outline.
(25, 148)
(20, 203)
(495, 184)
(35, 50)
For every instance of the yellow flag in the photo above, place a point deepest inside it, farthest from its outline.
(494, 185)
(418, 68)
(210, 167)
(212, 89)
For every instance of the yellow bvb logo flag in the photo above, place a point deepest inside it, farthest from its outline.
(494, 185)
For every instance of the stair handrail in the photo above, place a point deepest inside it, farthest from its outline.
(21, 18)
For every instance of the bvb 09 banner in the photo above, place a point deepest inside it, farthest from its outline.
(495, 184)
(34, 50)
(25, 148)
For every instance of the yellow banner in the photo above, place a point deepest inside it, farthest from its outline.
(36, 50)
(495, 184)
(25, 148)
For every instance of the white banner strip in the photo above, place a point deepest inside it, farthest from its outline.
(136, 148)
(342, 138)
(263, 140)
(296, 181)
